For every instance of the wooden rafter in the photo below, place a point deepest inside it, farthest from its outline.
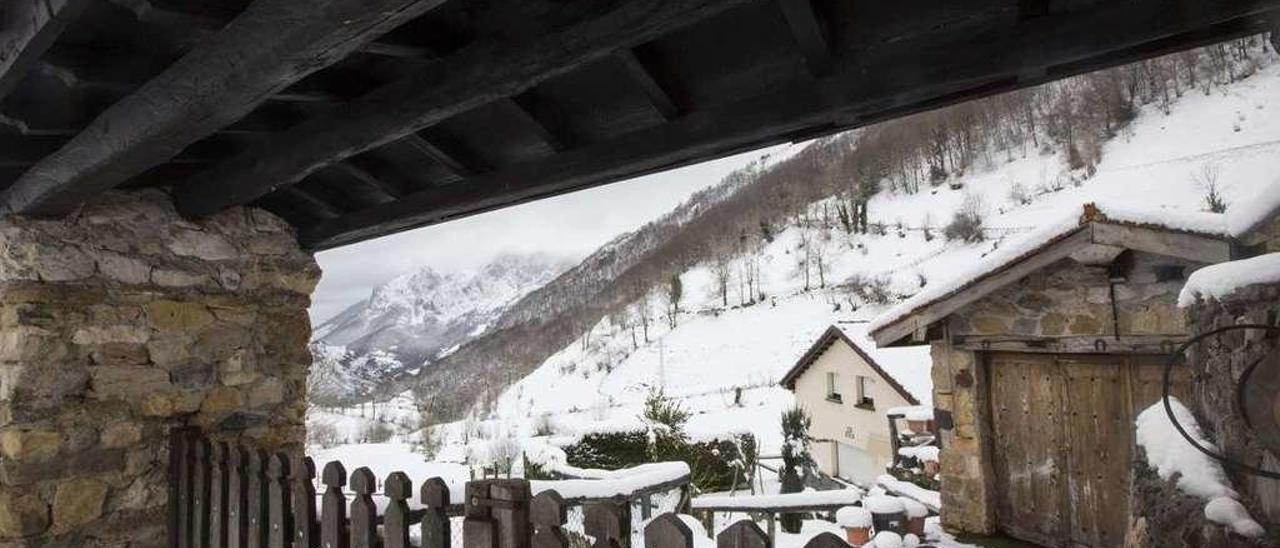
(658, 96)
(809, 36)
(270, 45)
(844, 99)
(27, 29)
(485, 73)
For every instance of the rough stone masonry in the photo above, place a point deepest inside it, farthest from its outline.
(116, 325)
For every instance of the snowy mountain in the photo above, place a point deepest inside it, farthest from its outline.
(418, 318)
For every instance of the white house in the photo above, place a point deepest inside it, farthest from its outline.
(847, 385)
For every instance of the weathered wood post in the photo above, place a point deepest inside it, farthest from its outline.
(181, 491)
(333, 509)
(303, 500)
(511, 510)
(364, 514)
(549, 514)
(436, 531)
(609, 523)
(279, 507)
(743, 534)
(256, 495)
(218, 497)
(395, 522)
(237, 491)
(200, 495)
(667, 531)
(479, 530)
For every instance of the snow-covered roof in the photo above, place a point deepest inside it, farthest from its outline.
(1221, 280)
(1247, 216)
(1066, 226)
(907, 369)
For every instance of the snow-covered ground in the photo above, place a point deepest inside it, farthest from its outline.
(723, 364)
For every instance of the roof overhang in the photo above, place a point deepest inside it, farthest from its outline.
(828, 338)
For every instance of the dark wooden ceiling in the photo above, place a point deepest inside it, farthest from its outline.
(354, 119)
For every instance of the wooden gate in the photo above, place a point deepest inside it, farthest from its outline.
(1063, 442)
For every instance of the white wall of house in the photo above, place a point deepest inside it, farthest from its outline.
(850, 428)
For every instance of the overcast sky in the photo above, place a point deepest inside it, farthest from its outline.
(572, 225)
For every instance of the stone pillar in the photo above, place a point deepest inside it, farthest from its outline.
(124, 321)
(959, 384)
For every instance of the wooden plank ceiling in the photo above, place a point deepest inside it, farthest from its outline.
(354, 119)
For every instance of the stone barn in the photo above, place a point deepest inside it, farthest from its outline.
(1043, 354)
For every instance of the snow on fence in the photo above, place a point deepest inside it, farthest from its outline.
(769, 506)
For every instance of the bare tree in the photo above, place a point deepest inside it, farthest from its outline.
(1206, 177)
(721, 272)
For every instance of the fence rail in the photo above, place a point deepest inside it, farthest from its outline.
(227, 495)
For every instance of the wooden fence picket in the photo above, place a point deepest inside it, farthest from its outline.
(333, 508)
(218, 496)
(609, 523)
(743, 534)
(395, 523)
(549, 513)
(256, 498)
(237, 480)
(479, 530)
(826, 540)
(364, 514)
(200, 495)
(180, 493)
(511, 512)
(279, 507)
(303, 498)
(668, 531)
(436, 531)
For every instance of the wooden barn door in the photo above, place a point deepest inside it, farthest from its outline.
(1063, 448)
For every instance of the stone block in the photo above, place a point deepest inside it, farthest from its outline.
(202, 245)
(25, 444)
(120, 354)
(121, 434)
(222, 400)
(77, 502)
(22, 513)
(127, 382)
(94, 335)
(268, 392)
(182, 316)
(177, 278)
(124, 269)
(168, 404)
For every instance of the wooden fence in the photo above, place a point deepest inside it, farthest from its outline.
(225, 495)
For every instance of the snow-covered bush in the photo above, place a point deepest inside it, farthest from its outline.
(966, 224)
(322, 434)
(377, 432)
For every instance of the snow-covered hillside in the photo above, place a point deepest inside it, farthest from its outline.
(417, 318)
(723, 362)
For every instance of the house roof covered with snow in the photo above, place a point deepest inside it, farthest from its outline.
(905, 369)
(1093, 236)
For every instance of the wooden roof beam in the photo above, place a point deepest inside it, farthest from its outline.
(479, 75)
(358, 173)
(438, 155)
(845, 99)
(661, 100)
(272, 44)
(27, 29)
(807, 30)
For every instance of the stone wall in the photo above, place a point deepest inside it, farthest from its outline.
(121, 322)
(1071, 300)
(1217, 367)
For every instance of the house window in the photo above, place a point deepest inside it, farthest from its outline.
(864, 392)
(832, 393)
